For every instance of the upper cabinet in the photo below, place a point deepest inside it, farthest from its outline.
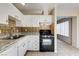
(34, 20)
(14, 22)
(48, 19)
(19, 23)
(30, 21)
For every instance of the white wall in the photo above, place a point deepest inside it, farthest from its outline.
(71, 11)
(63, 10)
(77, 31)
(8, 9)
(74, 31)
(33, 20)
(55, 29)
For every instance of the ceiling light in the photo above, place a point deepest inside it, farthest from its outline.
(23, 3)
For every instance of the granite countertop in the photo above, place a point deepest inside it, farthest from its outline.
(31, 33)
(5, 43)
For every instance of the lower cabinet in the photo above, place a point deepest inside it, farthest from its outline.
(33, 43)
(20, 48)
(10, 51)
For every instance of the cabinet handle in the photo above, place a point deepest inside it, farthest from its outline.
(23, 45)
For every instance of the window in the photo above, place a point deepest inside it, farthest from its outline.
(63, 28)
(66, 28)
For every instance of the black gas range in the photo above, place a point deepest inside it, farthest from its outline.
(46, 41)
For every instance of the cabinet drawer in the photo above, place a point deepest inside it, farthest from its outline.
(33, 47)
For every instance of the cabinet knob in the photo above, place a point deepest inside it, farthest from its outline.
(24, 45)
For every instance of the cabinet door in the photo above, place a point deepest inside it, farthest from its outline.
(11, 51)
(33, 43)
(36, 42)
(18, 23)
(21, 49)
(26, 44)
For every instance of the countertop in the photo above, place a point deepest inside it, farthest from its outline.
(32, 33)
(5, 43)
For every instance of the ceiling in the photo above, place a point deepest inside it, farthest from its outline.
(35, 8)
(43, 8)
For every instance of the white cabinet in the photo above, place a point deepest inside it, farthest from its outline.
(30, 21)
(33, 43)
(10, 51)
(22, 47)
(26, 43)
(30, 42)
(18, 23)
(34, 20)
(46, 18)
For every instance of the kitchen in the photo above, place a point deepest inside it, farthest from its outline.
(23, 30)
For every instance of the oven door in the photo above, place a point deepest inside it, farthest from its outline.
(47, 42)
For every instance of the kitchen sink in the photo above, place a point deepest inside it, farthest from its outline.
(14, 37)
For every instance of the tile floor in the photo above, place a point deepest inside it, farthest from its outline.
(63, 50)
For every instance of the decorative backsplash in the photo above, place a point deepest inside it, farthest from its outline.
(52, 28)
(7, 30)
(3, 29)
(32, 29)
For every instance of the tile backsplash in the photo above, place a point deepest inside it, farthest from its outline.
(32, 29)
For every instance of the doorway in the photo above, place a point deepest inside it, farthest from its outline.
(64, 29)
